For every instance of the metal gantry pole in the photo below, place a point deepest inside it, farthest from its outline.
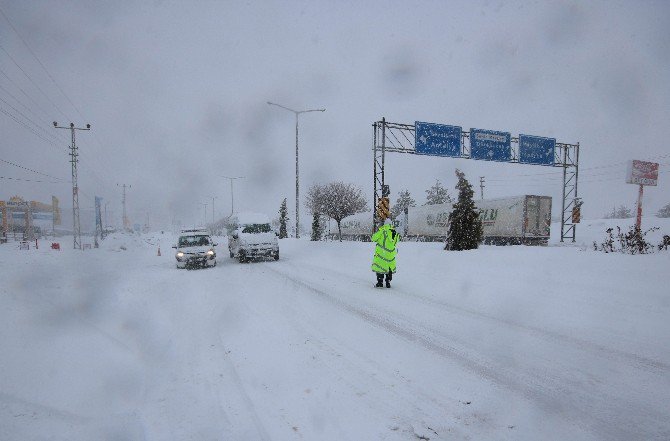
(76, 225)
(374, 178)
(565, 170)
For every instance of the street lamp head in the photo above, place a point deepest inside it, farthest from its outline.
(88, 126)
(55, 124)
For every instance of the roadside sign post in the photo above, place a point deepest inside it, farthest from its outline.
(638, 221)
(641, 173)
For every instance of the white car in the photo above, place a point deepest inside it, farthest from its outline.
(250, 236)
(195, 249)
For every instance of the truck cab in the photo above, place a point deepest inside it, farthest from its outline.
(250, 236)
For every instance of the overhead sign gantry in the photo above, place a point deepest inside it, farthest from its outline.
(423, 138)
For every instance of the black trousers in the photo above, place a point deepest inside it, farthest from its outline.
(380, 277)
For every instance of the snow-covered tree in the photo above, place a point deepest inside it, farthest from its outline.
(283, 219)
(465, 227)
(317, 227)
(404, 201)
(336, 200)
(623, 212)
(437, 194)
(664, 212)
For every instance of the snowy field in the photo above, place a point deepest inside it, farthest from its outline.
(500, 343)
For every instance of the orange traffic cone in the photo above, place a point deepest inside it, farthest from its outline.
(159, 250)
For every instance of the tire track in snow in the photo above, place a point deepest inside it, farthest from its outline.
(389, 381)
(589, 416)
(649, 364)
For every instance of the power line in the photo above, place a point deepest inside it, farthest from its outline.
(95, 175)
(40, 63)
(30, 170)
(49, 134)
(584, 172)
(27, 127)
(44, 121)
(32, 81)
(46, 114)
(33, 180)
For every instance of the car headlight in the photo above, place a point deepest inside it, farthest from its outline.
(210, 252)
(180, 254)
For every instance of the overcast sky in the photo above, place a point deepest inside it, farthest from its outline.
(176, 95)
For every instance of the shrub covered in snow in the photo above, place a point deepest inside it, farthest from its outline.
(632, 242)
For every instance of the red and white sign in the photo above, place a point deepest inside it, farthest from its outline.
(642, 173)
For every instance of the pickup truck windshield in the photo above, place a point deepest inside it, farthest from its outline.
(256, 228)
(193, 241)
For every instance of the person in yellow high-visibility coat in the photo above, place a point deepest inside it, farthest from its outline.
(383, 262)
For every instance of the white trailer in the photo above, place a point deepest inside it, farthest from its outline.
(512, 220)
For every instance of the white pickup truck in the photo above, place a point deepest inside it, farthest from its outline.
(250, 236)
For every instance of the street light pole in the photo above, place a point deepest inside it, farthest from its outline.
(232, 196)
(297, 174)
(204, 205)
(213, 197)
(106, 222)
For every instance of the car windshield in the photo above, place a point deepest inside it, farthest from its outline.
(256, 228)
(193, 241)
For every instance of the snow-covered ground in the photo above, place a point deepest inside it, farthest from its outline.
(500, 343)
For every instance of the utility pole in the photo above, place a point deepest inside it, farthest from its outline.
(481, 186)
(126, 224)
(297, 179)
(75, 188)
(213, 197)
(232, 196)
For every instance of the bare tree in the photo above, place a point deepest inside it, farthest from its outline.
(336, 200)
(314, 199)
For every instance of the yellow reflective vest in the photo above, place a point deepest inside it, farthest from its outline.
(386, 239)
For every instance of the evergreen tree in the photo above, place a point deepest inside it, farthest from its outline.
(317, 227)
(283, 219)
(404, 201)
(465, 227)
(437, 194)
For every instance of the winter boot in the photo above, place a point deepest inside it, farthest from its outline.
(380, 279)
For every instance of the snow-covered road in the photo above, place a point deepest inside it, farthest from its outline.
(498, 343)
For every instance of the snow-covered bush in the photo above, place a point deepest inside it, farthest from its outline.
(631, 242)
(665, 243)
(664, 211)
